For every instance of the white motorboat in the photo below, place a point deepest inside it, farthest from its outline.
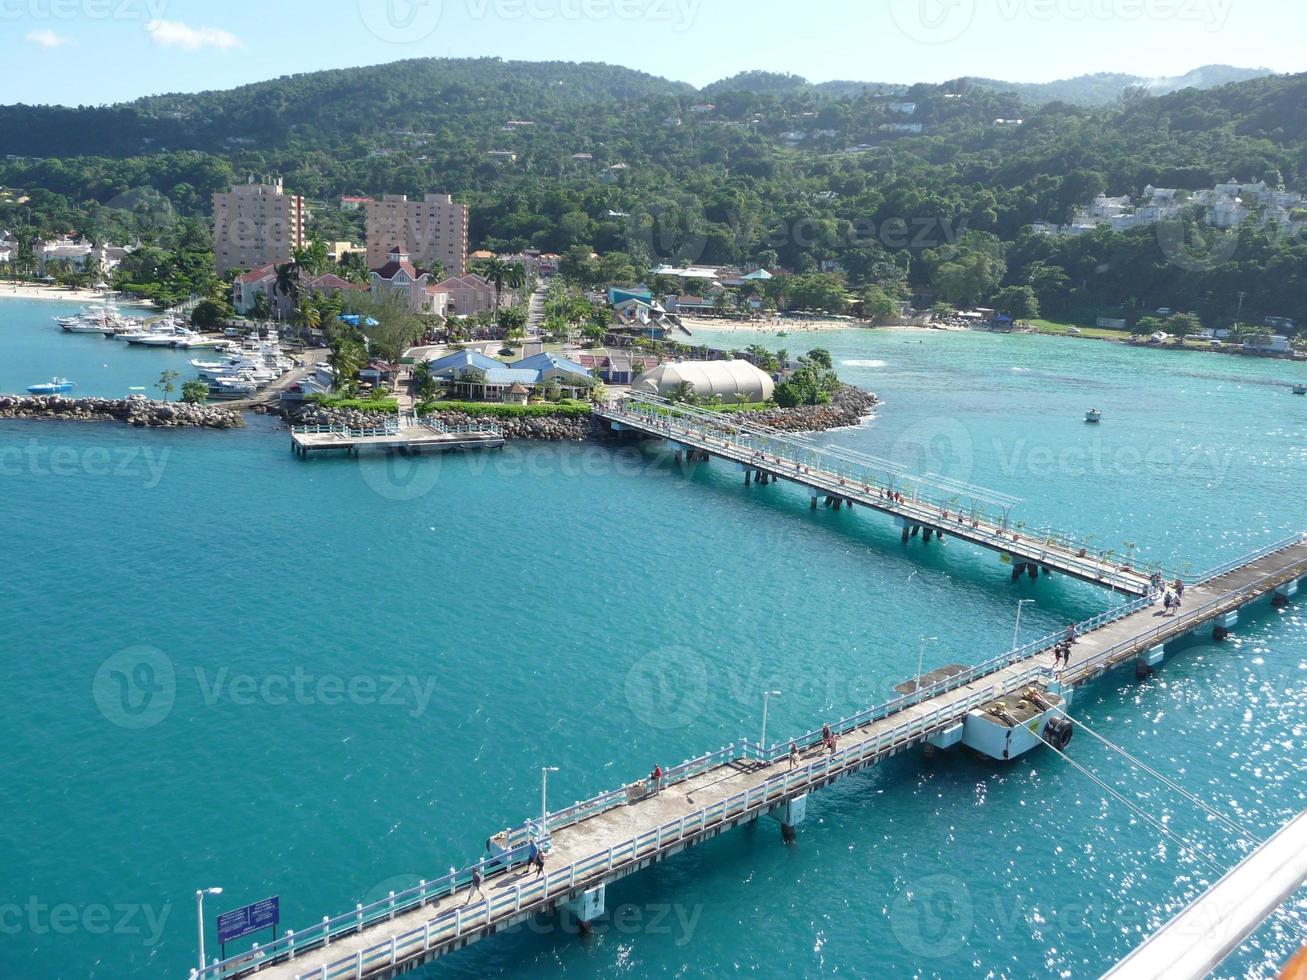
(82, 325)
(231, 388)
(1093, 415)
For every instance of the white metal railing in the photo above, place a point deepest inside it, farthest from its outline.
(472, 428)
(389, 429)
(394, 428)
(1224, 569)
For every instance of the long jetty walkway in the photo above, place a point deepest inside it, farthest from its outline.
(931, 506)
(617, 833)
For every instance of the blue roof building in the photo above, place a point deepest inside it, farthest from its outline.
(553, 367)
(506, 376)
(452, 365)
(618, 295)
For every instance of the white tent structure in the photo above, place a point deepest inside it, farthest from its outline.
(732, 381)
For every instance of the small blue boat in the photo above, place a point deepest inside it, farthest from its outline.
(55, 386)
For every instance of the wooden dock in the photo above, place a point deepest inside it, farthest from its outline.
(617, 833)
(406, 436)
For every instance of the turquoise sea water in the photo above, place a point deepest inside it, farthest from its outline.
(356, 668)
(35, 349)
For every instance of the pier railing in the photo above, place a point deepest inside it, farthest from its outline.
(1230, 566)
(345, 430)
(1204, 613)
(435, 424)
(394, 428)
(452, 924)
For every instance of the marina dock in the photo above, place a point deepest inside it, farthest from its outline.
(407, 435)
(932, 507)
(1001, 708)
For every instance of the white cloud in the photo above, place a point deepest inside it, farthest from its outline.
(175, 34)
(47, 38)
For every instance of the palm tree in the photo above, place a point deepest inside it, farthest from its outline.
(287, 283)
(308, 317)
(500, 274)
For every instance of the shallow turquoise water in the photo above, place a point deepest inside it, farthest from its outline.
(35, 349)
(456, 624)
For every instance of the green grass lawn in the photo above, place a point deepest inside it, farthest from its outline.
(1060, 329)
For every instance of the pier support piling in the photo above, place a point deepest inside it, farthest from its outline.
(789, 815)
(588, 907)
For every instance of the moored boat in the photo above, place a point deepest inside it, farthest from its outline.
(55, 386)
(1093, 415)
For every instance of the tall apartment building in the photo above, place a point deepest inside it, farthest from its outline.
(429, 231)
(254, 224)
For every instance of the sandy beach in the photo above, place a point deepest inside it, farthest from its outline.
(28, 290)
(754, 326)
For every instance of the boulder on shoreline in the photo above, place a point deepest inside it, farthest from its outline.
(140, 412)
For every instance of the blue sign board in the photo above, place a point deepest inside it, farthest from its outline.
(251, 918)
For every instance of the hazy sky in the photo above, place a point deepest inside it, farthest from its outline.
(95, 51)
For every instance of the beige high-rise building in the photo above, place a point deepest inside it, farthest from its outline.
(254, 224)
(429, 231)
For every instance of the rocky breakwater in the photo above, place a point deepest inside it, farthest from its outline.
(542, 427)
(134, 411)
(849, 406)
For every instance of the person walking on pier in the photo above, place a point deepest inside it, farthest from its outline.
(540, 862)
(794, 755)
(1168, 601)
(476, 885)
(656, 778)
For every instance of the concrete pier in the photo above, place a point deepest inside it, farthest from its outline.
(406, 436)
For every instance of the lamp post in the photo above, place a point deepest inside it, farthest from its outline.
(921, 657)
(1016, 630)
(199, 916)
(762, 738)
(544, 799)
